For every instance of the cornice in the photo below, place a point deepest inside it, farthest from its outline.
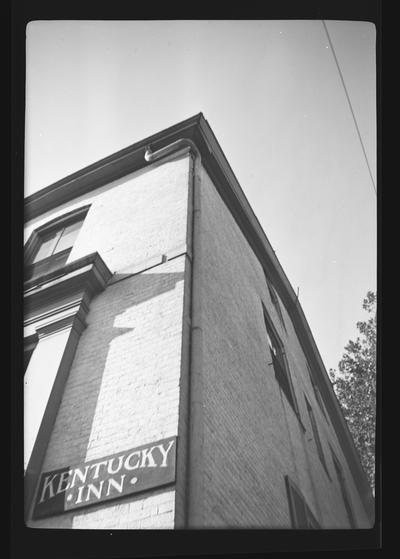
(215, 163)
(102, 172)
(62, 291)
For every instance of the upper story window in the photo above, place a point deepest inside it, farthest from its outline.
(300, 512)
(280, 366)
(316, 437)
(343, 489)
(317, 393)
(275, 301)
(49, 246)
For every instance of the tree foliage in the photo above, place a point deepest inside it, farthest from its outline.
(355, 387)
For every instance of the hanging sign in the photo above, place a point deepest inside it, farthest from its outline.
(112, 477)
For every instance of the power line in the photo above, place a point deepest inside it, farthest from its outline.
(350, 105)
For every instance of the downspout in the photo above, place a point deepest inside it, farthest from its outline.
(194, 473)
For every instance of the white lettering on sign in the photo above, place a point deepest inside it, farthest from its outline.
(80, 491)
(97, 468)
(48, 484)
(82, 476)
(128, 465)
(110, 468)
(146, 455)
(118, 486)
(64, 478)
(107, 478)
(164, 453)
(96, 490)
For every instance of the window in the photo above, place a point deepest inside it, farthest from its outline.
(275, 302)
(316, 436)
(317, 393)
(279, 363)
(50, 246)
(300, 512)
(343, 489)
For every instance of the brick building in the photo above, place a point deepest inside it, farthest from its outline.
(171, 379)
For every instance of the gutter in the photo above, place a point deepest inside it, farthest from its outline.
(216, 165)
(195, 432)
(101, 172)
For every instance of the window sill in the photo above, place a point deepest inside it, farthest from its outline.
(87, 275)
(91, 259)
(46, 266)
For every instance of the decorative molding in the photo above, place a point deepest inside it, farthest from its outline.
(198, 130)
(102, 172)
(75, 319)
(54, 302)
(58, 313)
(55, 293)
(31, 340)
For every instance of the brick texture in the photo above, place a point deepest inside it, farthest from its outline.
(252, 437)
(123, 389)
(128, 384)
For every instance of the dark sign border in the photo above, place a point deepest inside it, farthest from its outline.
(139, 478)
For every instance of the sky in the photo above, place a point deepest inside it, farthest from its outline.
(272, 94)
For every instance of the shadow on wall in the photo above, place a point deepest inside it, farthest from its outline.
(90, 416)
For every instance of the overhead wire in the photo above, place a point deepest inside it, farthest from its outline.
(349, 102)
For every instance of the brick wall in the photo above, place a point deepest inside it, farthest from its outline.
(330, 500)
(123, 389)
(132, 220)
(128, 382)
(252, 437)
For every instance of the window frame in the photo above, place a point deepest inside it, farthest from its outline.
(33, 244)
(317, 393)
(270, 328)
(311, 521)
(275, 301)
(317, 438)
(343, 488)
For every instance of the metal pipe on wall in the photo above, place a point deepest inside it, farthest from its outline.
(195, 435)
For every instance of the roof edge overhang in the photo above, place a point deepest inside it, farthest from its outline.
(102, 172)
(197, 129)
